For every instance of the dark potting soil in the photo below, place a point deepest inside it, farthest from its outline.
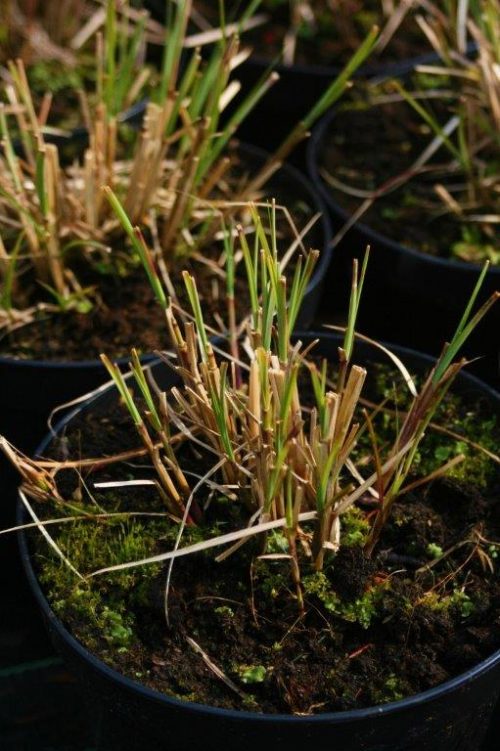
(373, 630)
(412, 214)
(126, 314)
(337, 36)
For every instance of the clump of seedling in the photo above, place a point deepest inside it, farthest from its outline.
(58, 43)
(174, 182)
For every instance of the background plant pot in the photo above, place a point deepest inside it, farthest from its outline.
(298, 89)
(30, 390)
(295, 93)
(410, 297)
(450, 717)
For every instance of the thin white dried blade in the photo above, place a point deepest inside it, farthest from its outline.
(214, 668)
(124, 483)
(359, 477)
(94, 23)
(394, 21)
(45, 534)
(349, 500)
(199, 547)
(83, 518)
(182, 526)
(439, 472)
(216, 34)
(298, 240)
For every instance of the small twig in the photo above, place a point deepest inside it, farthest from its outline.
(213, 667)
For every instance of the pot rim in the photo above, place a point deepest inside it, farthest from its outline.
(318, 206)
(333, 718)
(382, 71)
(312, 159)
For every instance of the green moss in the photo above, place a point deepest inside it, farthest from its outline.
(271, 580)
(434, 551)
(50, 75)
(318, 585)
(354, 527)
(457, 600)
(364, 609)
(101, 607)
(493, 552)
(115, 628)
(391, 690)
(437, 448)
(276, 542)
(251, 673)
(361, 610)
(224, 611)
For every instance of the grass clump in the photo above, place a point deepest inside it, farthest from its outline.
(68, 226)
(295, 534)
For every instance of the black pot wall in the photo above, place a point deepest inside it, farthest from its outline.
(410, 297)
(451, 717)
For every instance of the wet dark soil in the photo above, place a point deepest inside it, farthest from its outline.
(126, 315)
(411, 214)
(336, 36)
(373, 630)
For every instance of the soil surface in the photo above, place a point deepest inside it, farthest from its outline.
(126, 316)
(411, 214)
(423, 609)
(336, 35)
(125, 313)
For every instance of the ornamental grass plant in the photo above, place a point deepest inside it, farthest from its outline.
(175, 178)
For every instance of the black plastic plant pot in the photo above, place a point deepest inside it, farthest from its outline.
(300, 86)
(409, 296)
(454, 716)
(296, 91)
